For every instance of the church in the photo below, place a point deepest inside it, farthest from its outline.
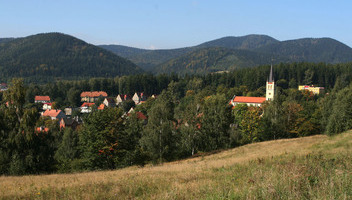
(258, 101)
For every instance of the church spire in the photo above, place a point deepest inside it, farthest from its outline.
(271, 77)
(270, 86)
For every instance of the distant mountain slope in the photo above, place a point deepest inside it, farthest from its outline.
(148, 59)
(248, 42)
(4, 40)
(265, 47)
(213, 59)
(124, 51)
(55, 55)
(310, 50)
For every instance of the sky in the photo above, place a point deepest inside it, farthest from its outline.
(166, 24)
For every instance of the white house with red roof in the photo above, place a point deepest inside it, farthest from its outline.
(86, 107)
(257, 101)
(250, 101)
(93, 96)
(42, 99)
(54, 114)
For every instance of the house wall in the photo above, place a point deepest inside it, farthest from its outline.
(136, 98)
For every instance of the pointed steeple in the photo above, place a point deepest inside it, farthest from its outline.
(271, 77)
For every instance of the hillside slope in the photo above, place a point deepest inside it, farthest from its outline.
(4, 40)
(310, 50)
(55, 55)
(264, 47)
(212, 59)
(248, 42)
(147, 59)
(316, 167)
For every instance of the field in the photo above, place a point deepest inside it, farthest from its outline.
(316, 167)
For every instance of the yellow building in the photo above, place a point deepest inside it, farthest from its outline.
(315, 90)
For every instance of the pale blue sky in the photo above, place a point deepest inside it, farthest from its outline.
(179, 23)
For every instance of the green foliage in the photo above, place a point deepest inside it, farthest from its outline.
(130, 151)
(98, 139)
(67, 151)
(341, 113)
(127, 105)
(159, 137)
(73, 97)
(23, 150)
(215, 123)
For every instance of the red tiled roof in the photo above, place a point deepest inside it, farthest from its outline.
(94, 94)
(101, 107)
(51, 113)
(241, 99)
(42, 98)
(86, 104)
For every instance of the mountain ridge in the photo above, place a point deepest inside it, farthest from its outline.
(49, 56)
(297, 50)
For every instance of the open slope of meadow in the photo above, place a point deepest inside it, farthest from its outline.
(316, 167)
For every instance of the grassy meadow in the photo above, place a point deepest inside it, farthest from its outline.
(316, 167)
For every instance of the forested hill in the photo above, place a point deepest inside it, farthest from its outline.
(248, 42)
(45, 57)
(301, 50)
(310, 50)
(4, 40)
(213, 59)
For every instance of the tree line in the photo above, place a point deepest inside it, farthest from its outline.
(190, 116)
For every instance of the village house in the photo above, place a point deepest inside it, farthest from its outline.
(54, 114)
(250, 101)
(86, 107)
(91, 97)
(138, 98)
(68, 122)
(257, 101)
(121, 98)
(42, 99)
(315, 90)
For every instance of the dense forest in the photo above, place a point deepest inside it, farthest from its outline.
(190, 116)
(52, 56)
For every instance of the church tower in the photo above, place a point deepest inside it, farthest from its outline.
(270, 86)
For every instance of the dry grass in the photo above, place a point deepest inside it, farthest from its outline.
(273, 169)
